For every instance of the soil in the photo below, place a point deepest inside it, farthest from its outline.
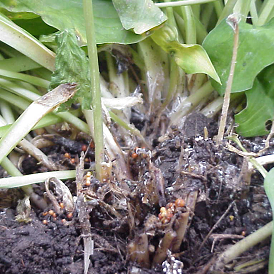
(184, 182)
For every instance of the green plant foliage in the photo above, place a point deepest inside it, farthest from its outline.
(260, 105)
(147, 17)
(254, 53)
(191, 58)
(35, 26)
(71, 66)
(269, 189)
(68, 14)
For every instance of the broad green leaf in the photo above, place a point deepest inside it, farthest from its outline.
(68, 14)
(35, 26)
(191, 58)
(255, 52)
(139, 15)
(71, 66)
(260, 106)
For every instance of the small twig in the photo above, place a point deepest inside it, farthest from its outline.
(224, 236)
(233, 21)
(215, 226)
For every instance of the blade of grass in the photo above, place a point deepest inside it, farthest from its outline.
(26, 180)
(49, 119)
(16, 64)
(32, 115)
(95, 87)
(21, 40)
(24, 77)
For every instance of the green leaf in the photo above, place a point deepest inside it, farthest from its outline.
(24, 42)
(191, 58)
(254, 53)
(269, 189)
(68, 14)
(139, 15)
(35, 26)
(260, 106)
(71, 66)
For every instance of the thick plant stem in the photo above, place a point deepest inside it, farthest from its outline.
(189, 25)
(95, 87)
(233, 21)
(248, 242)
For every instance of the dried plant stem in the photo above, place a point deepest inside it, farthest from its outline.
(138, 250)
(181, 230)
(221, 130)
(164, 245)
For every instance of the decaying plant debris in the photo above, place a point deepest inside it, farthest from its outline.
(158, 221)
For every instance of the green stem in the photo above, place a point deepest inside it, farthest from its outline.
(127, 126)
(16, 64)
(267, 9)
(13, 171)
(190, 26)
(173, 82)
(50, 119)
(26, 180)
(7, 112)
(95, 87)
(254, 13)
(207, 14)
(228, 9)
(182, 3)
(251, 240)
(218, 5)
(191, 101)
(242, 7)
(24, 77)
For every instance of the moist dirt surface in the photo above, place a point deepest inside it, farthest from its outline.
(185, 185)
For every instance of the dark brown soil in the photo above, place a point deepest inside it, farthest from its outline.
(124, 215)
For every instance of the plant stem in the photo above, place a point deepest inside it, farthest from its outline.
(207, 14)
(95, 87)
(190, 102)
(127, 126)
(21, 63)
(242, 7)
(267, 8)
(243, 245)
(24, 77)
(189, 25)
(26, 180)
(218, 5)
(228, 9)
(222, 125)
(254, 12)
(182, 3)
